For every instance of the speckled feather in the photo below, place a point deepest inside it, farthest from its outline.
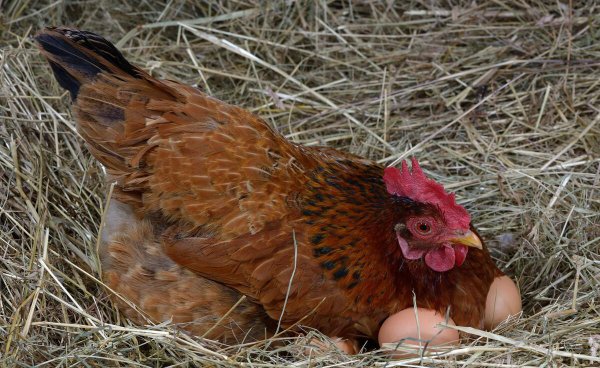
(242, 206)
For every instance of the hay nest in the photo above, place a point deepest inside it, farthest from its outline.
(498, 99)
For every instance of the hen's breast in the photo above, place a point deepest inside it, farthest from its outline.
(462, 291)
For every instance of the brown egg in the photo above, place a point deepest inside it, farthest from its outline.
(403, 325)
(347, 346)
(503, 300)
(318, 347)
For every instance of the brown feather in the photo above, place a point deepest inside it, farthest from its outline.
(136, 267)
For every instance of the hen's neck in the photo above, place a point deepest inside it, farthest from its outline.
(351, 229)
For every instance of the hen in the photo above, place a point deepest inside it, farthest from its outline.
(310, 235)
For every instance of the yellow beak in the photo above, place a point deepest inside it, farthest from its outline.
(469, 239)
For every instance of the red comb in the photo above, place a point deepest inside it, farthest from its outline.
(416, 186)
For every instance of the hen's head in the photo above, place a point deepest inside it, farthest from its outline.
(432, 224)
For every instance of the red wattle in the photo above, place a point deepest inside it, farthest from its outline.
(460, 254)
(441, 259)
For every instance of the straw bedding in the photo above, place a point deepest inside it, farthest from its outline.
(499, 100)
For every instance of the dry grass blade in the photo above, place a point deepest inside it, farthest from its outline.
(499, 100)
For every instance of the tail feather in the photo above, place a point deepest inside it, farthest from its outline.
(114, 102)
(77, 57)
(108, 93)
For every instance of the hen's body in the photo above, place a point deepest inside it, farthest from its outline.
(307, 234)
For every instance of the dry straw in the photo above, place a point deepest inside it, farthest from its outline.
(498, 99)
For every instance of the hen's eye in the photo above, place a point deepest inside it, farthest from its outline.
(423, 228)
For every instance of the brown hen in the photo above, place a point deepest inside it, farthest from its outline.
(309, 235)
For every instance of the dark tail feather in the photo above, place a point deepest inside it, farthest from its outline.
(76, 57)
(109, 94)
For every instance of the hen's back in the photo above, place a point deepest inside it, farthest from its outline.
(172, 149)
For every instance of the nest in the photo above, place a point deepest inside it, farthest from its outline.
(499, 100)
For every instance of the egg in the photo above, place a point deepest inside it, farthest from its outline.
(503, 300)
(347, 346)
(402, 327)
(318, 347)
